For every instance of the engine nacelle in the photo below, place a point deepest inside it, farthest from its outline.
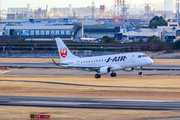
(129, 69)
(105, 70)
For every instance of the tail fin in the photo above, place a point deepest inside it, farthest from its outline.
(64, 52)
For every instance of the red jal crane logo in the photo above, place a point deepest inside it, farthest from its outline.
(63, 52)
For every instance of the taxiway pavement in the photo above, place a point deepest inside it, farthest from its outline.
(53, 66)
(94, 103)
(76, 72)
(147, 70)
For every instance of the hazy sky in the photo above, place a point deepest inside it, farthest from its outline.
(65, 3)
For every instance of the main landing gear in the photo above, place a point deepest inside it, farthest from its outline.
(97, 75)
(113, 74)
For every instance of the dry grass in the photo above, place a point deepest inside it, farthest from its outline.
(167, 61)
(28, 60)
(55, 90)
(23, 113)
(60, 90)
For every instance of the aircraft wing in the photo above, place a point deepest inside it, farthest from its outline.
(84, 67)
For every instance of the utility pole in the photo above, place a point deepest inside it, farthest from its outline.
(120, 11)
(93, 9)
(177, 11)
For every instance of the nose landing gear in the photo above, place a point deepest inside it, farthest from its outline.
(140, 72)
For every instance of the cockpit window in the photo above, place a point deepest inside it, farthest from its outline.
(144, 55)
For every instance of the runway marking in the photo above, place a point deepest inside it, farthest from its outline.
(53, 103)
(3, 72)
(84, 85)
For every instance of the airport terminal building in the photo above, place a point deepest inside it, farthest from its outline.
(40, 30)
(48, 30)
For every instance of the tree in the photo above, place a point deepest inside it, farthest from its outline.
(162, 22)
(141, 40)
(177, 44)
(157, 21)
(107, 39)
(153, 39)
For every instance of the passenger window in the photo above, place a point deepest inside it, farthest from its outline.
(139, 56)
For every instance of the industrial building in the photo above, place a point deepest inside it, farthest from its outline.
(47, 29)
(97, 31)
(166, 35)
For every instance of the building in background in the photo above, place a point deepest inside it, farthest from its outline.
(104, 13)
(76, 12)
(27, 13)
(97, 31)
(147, 8)
(17, 10)
(40, 13)
(165, 14)
(39, 31)
(61, 12)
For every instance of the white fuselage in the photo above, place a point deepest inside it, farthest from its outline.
(116, 62)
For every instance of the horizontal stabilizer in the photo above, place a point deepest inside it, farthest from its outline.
(59, 64)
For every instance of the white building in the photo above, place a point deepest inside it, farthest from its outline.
(83, 12)
(145, 33)
(78, 12)
(165, 14)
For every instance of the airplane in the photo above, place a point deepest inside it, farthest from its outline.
(102, 64)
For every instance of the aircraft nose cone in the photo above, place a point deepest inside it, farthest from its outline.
(151, 61)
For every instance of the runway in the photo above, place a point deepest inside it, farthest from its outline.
(76, 72)
(52, 66)
(147, 70)
(91, 103)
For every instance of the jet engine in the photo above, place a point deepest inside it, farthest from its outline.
(105, 70)
(129, 69)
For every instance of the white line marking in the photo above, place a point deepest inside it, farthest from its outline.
(3, 72)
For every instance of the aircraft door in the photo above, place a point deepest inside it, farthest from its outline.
(78, 62)
(133, 58)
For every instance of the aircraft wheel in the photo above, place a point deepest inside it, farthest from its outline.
(140, 73)
(114, 74)
(96, 76)
(111, 75)
(99, 75)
